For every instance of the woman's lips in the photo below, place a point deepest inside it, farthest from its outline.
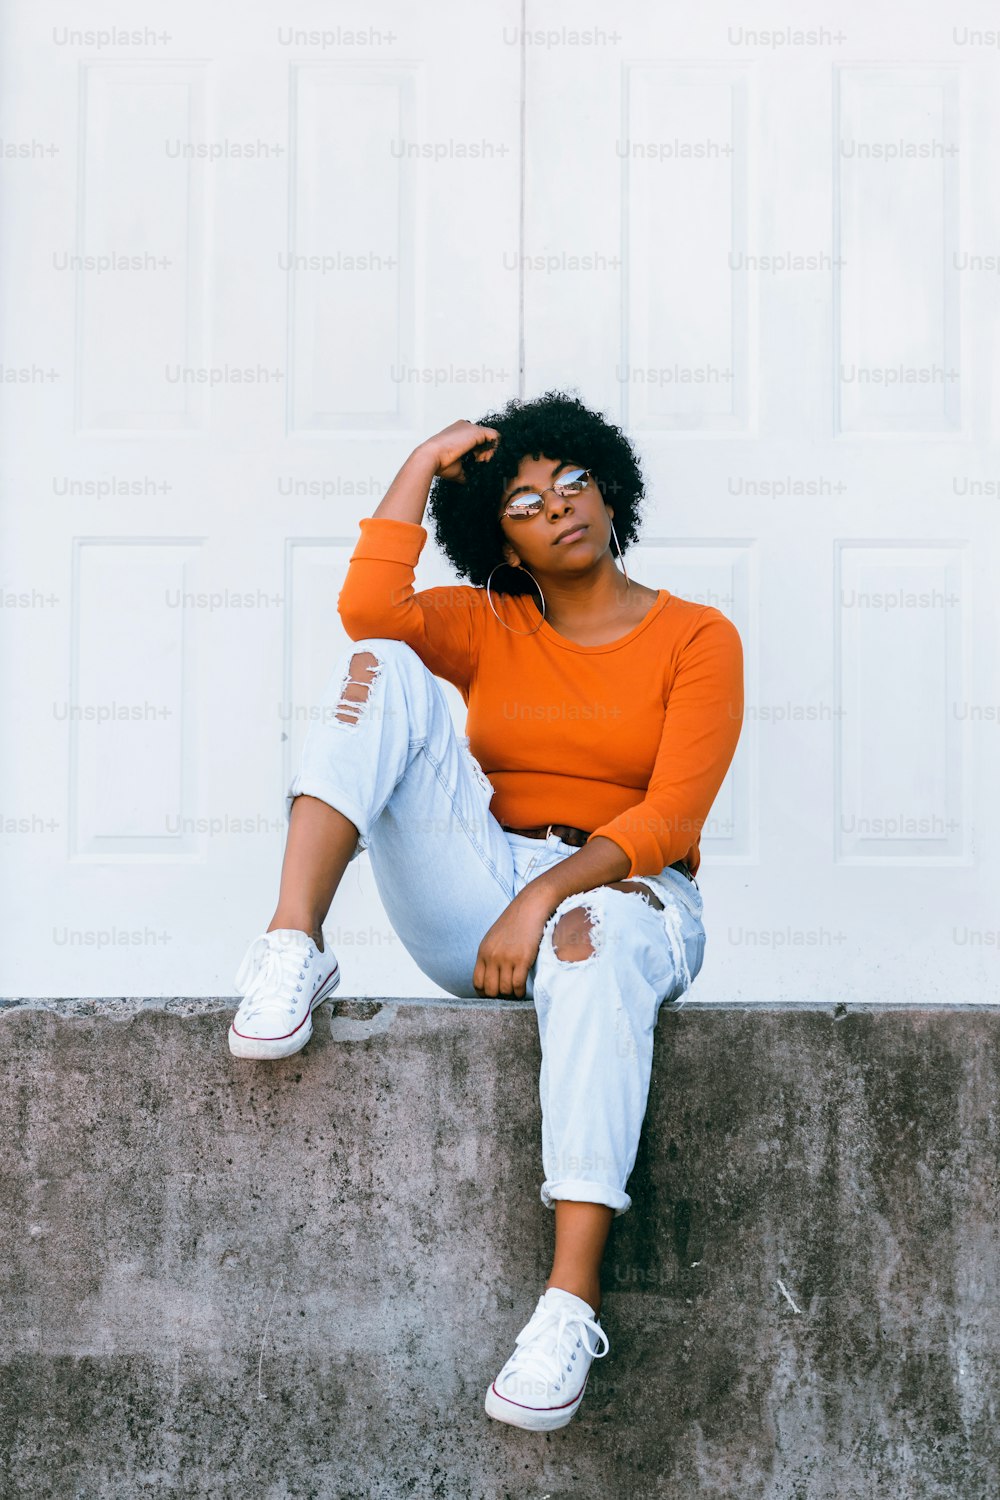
(570, 536)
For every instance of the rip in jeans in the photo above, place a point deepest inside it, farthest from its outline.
(352, 704)
(567, 925)
(593, 930)
(577, 908)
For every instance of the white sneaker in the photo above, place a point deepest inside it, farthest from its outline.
(542, 1384)
(283, 977)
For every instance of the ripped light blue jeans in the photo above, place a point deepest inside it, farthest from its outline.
(445, 870)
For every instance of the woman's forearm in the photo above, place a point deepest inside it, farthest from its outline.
(406, 496)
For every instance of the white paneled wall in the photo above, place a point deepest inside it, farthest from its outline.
(250, 260)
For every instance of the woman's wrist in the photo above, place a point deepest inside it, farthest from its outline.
(424, 460)
(537, 897)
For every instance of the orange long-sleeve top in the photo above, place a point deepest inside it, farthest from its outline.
(630, 740)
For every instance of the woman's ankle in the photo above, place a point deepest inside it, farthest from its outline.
(579, 1288)
(296, 924)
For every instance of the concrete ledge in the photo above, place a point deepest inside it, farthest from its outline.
(297, 1279)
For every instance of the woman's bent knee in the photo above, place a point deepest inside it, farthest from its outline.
(358, 671)
(385, 647)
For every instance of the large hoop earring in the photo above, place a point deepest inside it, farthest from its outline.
(628, 581)
(541, 595)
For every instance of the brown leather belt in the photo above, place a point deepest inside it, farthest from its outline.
(579, 836)
(562, 831)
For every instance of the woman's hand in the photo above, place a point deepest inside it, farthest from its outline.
(448, 446)
(510, 948)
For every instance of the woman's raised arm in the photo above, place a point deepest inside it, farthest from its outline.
(437, 456)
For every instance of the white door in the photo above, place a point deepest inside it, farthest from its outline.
(292, 280)
(791, 304)
(248, 263)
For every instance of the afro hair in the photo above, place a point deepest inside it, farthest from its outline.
(466, 515)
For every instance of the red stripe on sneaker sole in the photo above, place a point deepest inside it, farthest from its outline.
(524, 1407)
(317, 1000)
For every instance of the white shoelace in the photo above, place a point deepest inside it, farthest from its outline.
(274, 977)
(540, 1345)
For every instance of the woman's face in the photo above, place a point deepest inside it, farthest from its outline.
(534, 540)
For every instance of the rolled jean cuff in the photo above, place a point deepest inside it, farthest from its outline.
(585, 1192)
(311, 786)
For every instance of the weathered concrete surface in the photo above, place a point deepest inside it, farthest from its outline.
(802, 1304)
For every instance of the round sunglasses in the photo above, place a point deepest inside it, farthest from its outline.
(575, 482)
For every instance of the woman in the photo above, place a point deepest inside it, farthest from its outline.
(610, 707)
